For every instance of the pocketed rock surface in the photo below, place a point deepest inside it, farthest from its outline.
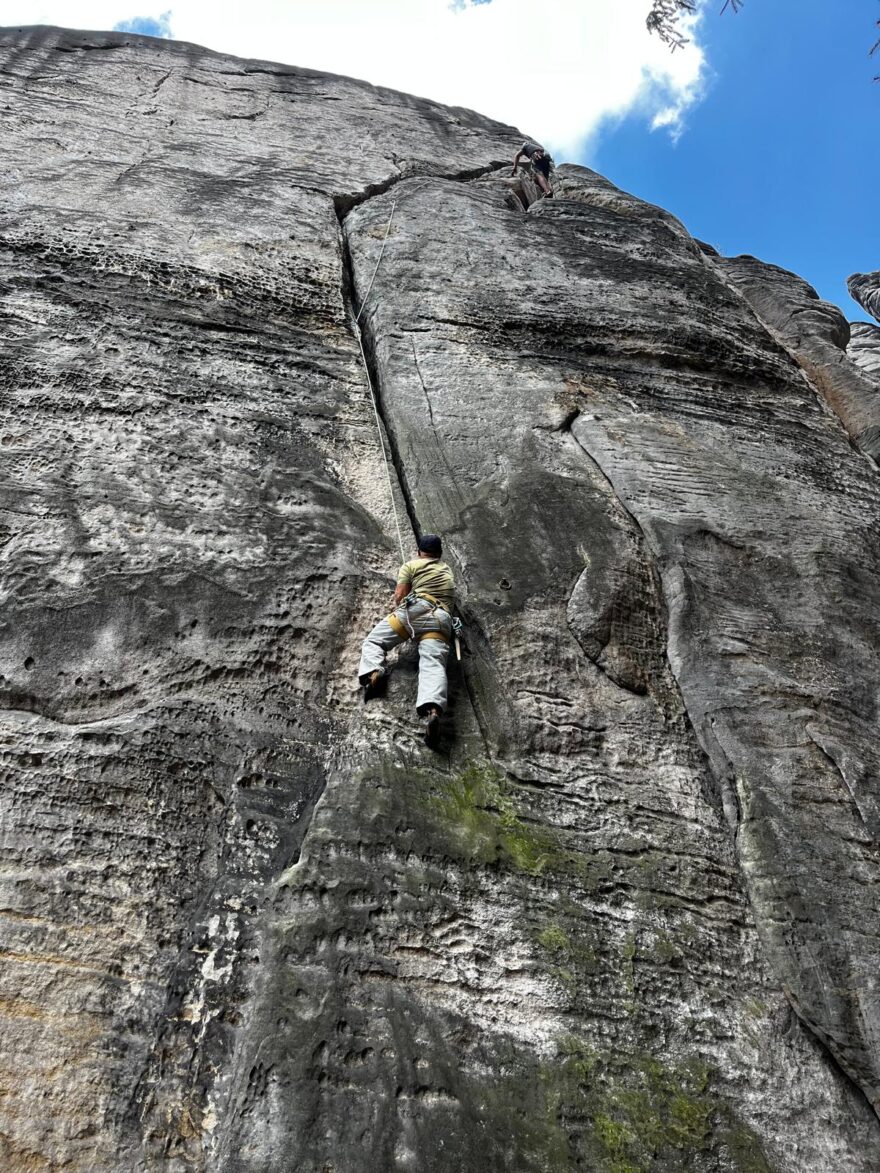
(626, 917)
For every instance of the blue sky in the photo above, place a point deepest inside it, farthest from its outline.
(768, 118)
(780, 156)
(147, 26)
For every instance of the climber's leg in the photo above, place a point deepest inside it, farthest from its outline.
(381, 639)
(541, 174)
(433, 651)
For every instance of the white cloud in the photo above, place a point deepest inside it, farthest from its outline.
(555, 68)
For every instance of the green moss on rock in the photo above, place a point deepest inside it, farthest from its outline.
(745, 1150)
(619, 1114)
(480, 812)
(572, 957)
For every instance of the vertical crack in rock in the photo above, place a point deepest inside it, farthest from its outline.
(422, 380)
(385, 438)
(343, 206)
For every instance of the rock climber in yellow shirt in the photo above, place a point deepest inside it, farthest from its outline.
(423, 602)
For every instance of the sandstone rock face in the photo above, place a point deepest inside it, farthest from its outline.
(864, 346)
(816, 333)
(626, 917)
(865, 288)
(864, 341)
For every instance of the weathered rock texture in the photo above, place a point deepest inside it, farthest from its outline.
(864, 346)
(627, 918)
(865, 288)
(816, 333)
(864, 340)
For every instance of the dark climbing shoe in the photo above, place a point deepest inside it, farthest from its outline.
(432, 728)
(373, 685)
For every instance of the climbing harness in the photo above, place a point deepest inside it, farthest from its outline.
(457, 625)
(406, 630)
(357, 330)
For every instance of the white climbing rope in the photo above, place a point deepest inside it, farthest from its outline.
(357, 330)
(378, 260)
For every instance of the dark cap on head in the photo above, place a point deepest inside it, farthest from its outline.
(431, 544)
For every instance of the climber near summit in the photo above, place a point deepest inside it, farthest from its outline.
(540, 162)
(423, 601)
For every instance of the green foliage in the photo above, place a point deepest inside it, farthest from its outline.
(665, 16)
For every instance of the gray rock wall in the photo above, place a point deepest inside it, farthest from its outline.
(864, 342)
(625, 919)
(865, 288)
(864, 347)
(817, 336)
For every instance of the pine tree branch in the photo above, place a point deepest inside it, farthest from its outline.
(663, 20)
(664, 17)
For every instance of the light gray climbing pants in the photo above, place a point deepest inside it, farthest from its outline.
(432, 627)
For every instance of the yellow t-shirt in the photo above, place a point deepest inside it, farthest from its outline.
(429, 575)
